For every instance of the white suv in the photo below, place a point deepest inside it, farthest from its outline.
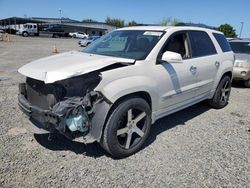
(113, 90)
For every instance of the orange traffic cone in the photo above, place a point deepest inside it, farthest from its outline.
(54, 49)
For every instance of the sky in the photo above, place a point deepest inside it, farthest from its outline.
(209, 12)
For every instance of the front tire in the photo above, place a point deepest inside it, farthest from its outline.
(222, 93)
(25, 34)
(127, 128)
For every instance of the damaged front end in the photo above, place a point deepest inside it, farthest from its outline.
(70, 106)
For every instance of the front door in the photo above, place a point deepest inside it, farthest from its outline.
(179, 80)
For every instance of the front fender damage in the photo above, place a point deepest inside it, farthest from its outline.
(71, 106)
(82, 116)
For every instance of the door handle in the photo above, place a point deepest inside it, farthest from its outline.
(193, 69)
(217, 64)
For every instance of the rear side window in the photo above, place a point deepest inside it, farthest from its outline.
(225, 47)
(201, 44)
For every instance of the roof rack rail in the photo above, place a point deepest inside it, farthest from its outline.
(195, 25)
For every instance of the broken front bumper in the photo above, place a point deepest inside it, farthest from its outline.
(48, 119)
(51, 121)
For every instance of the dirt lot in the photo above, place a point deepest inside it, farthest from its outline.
(197, 147)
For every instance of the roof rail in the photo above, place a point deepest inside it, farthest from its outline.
(195, 25)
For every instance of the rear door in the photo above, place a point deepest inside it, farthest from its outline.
(207, 61)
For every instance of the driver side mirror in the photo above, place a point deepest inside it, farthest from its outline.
(172, 57)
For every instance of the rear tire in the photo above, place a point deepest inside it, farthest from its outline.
(247, 83)
(127, 128)
(222, 93)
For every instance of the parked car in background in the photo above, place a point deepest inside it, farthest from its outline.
(241, 70)
(116, 88)
(79, 35)
(88, 41)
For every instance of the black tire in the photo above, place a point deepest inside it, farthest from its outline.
(25, 34)
(222, 93)
(88, 44)
(247, 83)
(132, 136)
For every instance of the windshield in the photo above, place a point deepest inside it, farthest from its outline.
(241, 47)
(131, 44)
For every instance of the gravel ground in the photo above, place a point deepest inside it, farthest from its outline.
(197, 147)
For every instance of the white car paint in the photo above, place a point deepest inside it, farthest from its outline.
(171, 86)
(80, 35)
(66, 65)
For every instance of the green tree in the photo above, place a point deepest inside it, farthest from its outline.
(132, 23)
(228, 30)
(169, 21)
(88, 20)
(115, 22)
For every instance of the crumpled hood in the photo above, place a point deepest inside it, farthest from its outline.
(67, 65)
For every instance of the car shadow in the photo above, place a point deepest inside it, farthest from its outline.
(61, 143)
(239, 84)
(58, 142)
(176, 119)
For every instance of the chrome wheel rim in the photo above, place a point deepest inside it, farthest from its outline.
(132, 127)
(225, 90)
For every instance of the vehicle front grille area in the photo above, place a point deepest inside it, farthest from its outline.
(43, 95)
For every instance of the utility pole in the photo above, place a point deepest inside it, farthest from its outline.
(241, 28)
(60, 14)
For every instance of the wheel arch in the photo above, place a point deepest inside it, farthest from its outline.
(228, 73)
(140, 94)
(103, 112)
(225, 73)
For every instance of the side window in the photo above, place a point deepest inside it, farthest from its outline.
(201, 44)
(34, 26)
(225, 46)
(178, 43)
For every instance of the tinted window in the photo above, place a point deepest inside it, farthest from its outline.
(241, 47)
(201, 44)
(222, 42)
(178, 43)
